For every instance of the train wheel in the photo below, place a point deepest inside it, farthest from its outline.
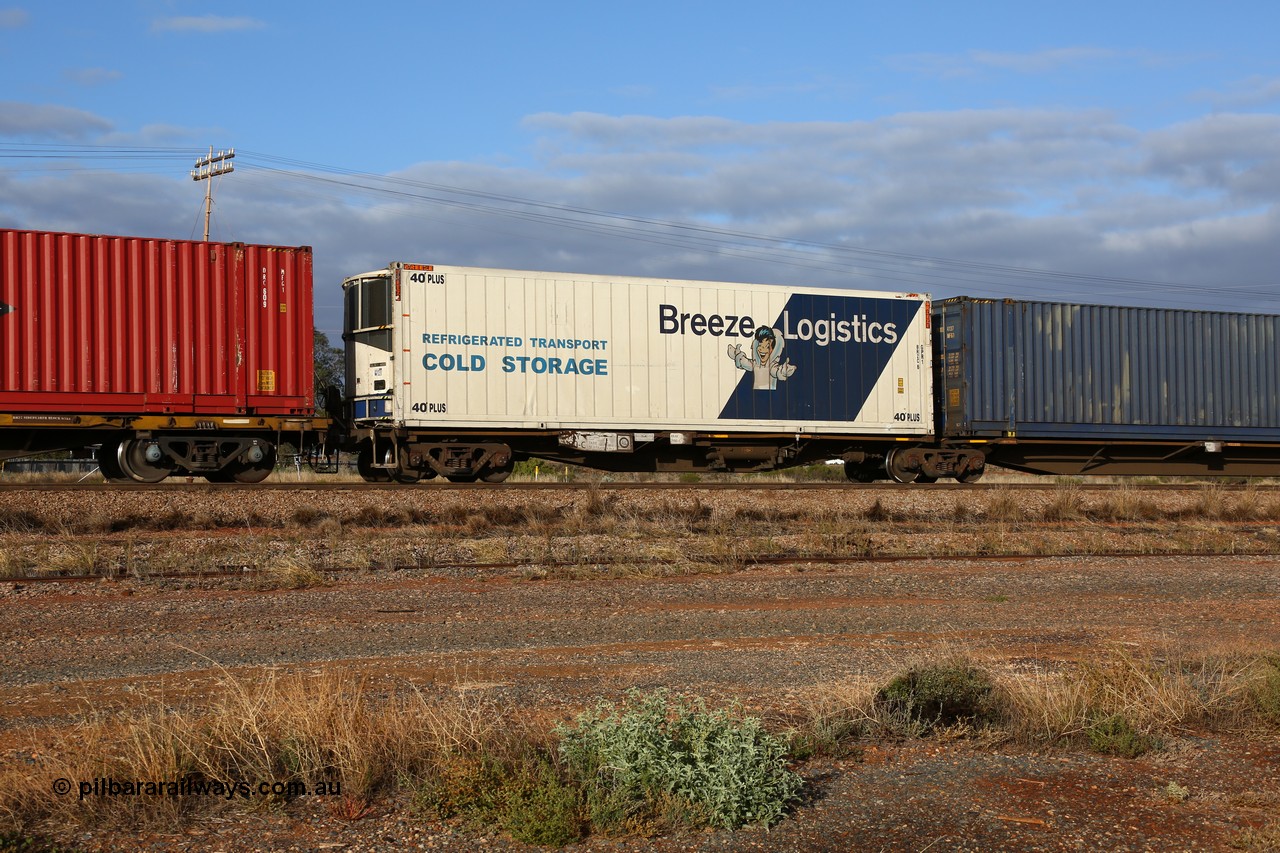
(496, 475)
(404, 472)
(972, 466)
(364, 465)
(255, 472)
(141, 461)
(108, 465)
(859, 472)
(252, 474)
(896, 466)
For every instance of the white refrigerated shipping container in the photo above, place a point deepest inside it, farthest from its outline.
(437, 347)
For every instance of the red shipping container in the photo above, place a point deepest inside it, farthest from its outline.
(97, 324)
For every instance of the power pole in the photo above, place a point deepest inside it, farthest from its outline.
(211, 167)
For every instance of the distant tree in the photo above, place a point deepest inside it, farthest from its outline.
(330, 366)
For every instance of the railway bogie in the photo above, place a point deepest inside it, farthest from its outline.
(388, 457)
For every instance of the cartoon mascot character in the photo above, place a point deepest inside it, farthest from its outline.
(765, 361)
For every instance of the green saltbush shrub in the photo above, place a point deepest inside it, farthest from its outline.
(943, 694)
(1115, 735)
(666, 760)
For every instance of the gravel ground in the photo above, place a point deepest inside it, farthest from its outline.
(772, 637)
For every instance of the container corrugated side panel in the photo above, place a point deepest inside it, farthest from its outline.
(278, 336)
(1040, 369)
(104, 324)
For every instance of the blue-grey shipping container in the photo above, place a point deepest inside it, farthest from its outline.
(1039, 370)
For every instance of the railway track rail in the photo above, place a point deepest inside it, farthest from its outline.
(723, 561)
(738, 486)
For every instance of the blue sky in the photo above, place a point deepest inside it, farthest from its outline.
(1106, 152)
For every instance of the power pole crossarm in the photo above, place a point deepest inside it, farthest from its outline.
(207, 168)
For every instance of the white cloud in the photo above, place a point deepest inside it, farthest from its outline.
(1255, 91)
(91, 76)
(1232, 154)
(1226, 231)
(47, 120)
(974, 62)
(205, 24)
(633, 91)
(1040, 62)
(12, 19)
(766, 91)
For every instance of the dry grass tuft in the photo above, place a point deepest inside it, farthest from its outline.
(1067, 504)
(1126, 504)
(11, 568)
(1004, 507)
(877, 512)
(1150, 695)
(1123, 701)
(257, 742)
(1258, 840)
(22, 521)
(288, 573)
